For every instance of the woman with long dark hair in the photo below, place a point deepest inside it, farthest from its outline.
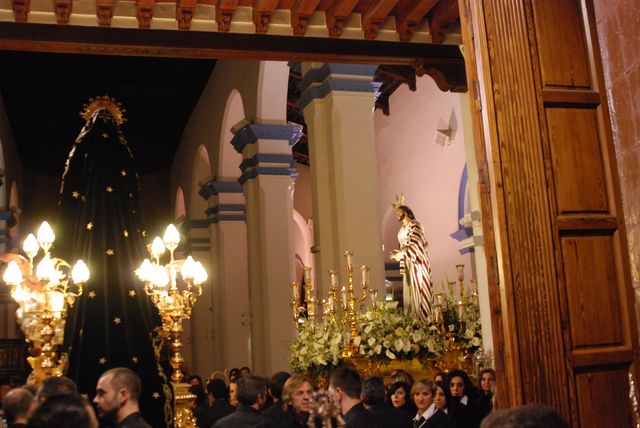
(399, 397)
(463, 399)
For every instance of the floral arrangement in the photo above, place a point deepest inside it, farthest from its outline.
(467, 333)
(387, 334)
(317, 348)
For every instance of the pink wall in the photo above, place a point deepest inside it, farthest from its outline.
(618, 25)
(427, 174)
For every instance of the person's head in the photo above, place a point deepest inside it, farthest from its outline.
(54, 386)
(201, 396)
(373, 392)
(398, 394)
(117, 394)
(234, 374)
(404, 211)
(194, 380)
(528, 416)
(440, 377)
(62, 411)
(233, 386)
(346, 381)
(442, 395)
(422, 393)
(296, 393)
(5, 387)
(17, 405)
(217, 389)
(245, 371)
(459, 383)
(400, 375)
(251, 391)
(276, 383)
(487, 380)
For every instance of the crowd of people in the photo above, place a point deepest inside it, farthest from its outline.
(244, 400)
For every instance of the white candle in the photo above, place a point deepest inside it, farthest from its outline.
(334, 279)
(344, 297)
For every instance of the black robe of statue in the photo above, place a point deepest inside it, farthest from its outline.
(113, 323)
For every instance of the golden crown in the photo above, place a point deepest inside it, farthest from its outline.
(399, 201)
(112, 106)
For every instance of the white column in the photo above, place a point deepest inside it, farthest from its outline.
(230, 284)
(200, 330)
(267, 171)
(338, 102)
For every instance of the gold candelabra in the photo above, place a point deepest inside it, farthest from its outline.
(174, 299)
(43, 297)
(348, 302)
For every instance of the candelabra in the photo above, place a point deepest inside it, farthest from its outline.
(348, 302)
(174, 300)
(43, 297)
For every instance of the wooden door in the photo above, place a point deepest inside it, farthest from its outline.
(562, 308)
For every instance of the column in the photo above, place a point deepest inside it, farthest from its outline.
(229, 278)
(338, 102)
(267, 172)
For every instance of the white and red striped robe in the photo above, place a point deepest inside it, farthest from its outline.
(417, 268)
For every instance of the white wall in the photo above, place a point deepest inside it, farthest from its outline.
(427, 174)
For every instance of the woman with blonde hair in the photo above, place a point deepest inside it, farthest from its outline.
(428, 415)
(296, 398)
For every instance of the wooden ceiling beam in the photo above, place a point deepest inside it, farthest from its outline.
(262, 11)
(411, 16)
(21, 10)
(338, 14)
(224, 13)
(184, 13)
(444, 13)
(144, 12)
(300, 15)
(375, 16)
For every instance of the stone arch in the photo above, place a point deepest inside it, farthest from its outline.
(302, 242)
(229, 159)
(201, 174)
(180, 212)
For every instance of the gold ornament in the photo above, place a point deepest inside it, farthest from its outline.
(106, 102)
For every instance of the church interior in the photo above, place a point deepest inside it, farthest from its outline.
(276, 135)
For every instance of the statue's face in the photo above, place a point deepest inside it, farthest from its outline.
(400, 214)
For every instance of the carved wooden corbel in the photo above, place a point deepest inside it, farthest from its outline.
(62, 9)
(104, 11)
(449, 76)
(21, 10)
(145, 13)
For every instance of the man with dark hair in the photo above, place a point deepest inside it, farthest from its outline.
(528, 416)
(62, 411)
(276, 411)
(251, 393)
(219, 406)
(18, 405)
(373, 398)
(117, 396)
(55, 386)
(345, 386)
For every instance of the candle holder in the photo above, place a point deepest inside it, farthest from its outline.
(43, 297)
(174, 299)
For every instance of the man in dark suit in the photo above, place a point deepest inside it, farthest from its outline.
(276, 412)
(251, 392)
(117, 397)
(345, 386)
(17, 406)
(219, 407)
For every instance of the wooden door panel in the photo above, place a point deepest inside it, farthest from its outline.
(592, 290)
(603, 398)
(561, 43)
(577, 160)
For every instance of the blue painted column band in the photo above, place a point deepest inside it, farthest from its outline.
(319, 82)
(214, 188)
(266, 163)
(227, 212)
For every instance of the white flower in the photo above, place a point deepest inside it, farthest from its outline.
(390, 354)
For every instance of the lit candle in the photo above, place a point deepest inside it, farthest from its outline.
(344, 297)
(365, 275)
(334, 279)
(348, 254)
(296, 291)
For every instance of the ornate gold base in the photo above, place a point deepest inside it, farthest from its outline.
(182, 401)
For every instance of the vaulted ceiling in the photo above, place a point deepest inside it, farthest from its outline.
(156, 55)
